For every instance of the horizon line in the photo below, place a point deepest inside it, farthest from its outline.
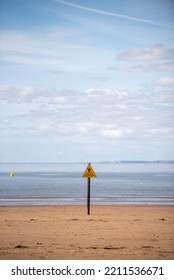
(101, 161)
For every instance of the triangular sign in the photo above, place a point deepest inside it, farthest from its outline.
(89, 172)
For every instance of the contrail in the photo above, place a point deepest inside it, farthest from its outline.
(111, 14)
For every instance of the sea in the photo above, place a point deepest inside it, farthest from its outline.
(62, 184)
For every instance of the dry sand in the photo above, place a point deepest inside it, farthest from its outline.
(67, 232)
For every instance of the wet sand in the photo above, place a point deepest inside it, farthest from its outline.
(67, 232)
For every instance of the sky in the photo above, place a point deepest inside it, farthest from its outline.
(86, 80)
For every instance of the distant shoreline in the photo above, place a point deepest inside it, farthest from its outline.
(102, 162)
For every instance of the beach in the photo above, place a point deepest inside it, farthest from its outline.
(68, 233)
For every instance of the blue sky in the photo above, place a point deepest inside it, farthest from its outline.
(86, 80)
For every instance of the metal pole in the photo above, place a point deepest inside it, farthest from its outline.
(88, 196)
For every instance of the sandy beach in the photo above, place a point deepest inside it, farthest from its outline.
(67, 232)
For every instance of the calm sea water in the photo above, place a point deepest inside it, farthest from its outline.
(62, 184)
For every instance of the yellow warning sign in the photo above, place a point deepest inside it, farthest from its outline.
(89, 172)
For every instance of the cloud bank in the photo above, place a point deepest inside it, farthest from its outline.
(156, 58)
(111, 114)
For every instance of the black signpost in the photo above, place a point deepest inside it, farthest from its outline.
(88, 196)
(89, 173)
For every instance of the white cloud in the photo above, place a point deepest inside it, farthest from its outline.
(17, 95)
(144, 67)
(106, 93)
(29, 60)
(30, 94)
(53, 48)
(112, 133)
(165, 66)
(44, 127)
(147, 54)
(157, 58)
(165, 82)
(161, 131)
